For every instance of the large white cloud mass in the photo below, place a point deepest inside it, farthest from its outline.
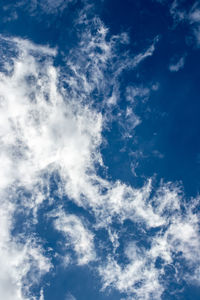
(49, 123)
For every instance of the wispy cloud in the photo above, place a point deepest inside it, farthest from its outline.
(76, 235)
(189, 16)
(70, 297)
(19, 257)
(177, 65)
(36, 7)
(140, 278)
(137, 92)
(194, 19)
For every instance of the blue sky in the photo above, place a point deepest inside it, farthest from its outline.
(99, 150)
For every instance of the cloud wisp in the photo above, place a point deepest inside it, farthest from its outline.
(175, 66)
(189, 16)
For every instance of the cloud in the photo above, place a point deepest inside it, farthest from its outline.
(175, 66)
(53, 7)
(76, 235)
(134, 92)
(194, 20)
(23, 260)
(177, 12)
(149, 52)
(18, 259)
(36, 8)
(189, 16)
(70, 297)
(140, 277)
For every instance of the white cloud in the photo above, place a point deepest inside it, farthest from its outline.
(139, 279)
(18, 259)
(190, 16)
(179, 235)
(114, 238)
(53, 7)
(178, 13)
(149, 52)
(70, 297)
(29, 47)
(134, 92)
(42, 131)
(76, 235)
(194, 20)
(195, 16)
(175, 66)
(38, 7)
(22, 255)
(41, 295)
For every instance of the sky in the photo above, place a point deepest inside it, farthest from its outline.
(99, 150)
